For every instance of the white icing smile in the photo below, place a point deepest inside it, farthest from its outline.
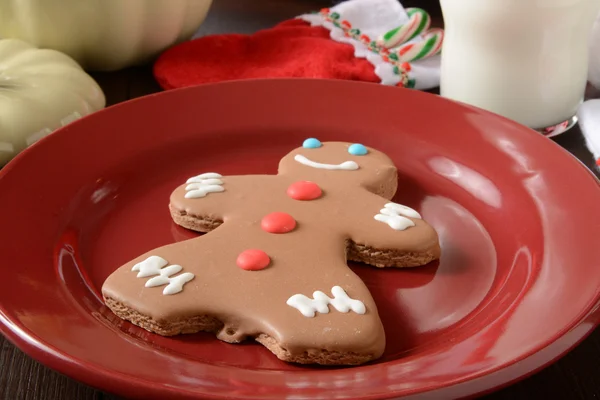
(346, 165)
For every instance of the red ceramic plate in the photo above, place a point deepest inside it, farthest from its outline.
(517, 286)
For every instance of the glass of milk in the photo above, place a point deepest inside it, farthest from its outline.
(526, 60)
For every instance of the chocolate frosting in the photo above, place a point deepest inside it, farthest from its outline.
(311, 257)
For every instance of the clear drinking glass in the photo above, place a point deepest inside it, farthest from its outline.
(524, 59)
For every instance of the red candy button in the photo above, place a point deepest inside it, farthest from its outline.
(253, 260)
(278, 222)
(304, 190)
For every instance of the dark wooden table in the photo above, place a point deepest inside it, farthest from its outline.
(575, 376)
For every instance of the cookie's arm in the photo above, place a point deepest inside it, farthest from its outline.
(387, 234)
(201, 202)
(200, 185)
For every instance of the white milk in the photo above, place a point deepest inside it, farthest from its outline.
(524, 59)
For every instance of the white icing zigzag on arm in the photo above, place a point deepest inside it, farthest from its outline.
(395, 216)
(320, 303)
(153, 265)
(201, 185)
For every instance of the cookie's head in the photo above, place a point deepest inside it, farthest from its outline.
(351, 164)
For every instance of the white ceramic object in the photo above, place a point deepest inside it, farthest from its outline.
(524, 59)
(103, 34)
(40, 91)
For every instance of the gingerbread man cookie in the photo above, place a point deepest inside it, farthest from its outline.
(273, 265)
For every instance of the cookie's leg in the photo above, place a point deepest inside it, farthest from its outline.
(147, 292)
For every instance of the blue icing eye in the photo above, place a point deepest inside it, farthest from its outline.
(311, 143)
(357, 149)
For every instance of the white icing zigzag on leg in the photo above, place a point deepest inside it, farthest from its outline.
(153, 265)
(395, 216)
(320, 303)
(201, 185)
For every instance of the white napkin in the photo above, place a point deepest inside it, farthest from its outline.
(589, 122)
(374, 18)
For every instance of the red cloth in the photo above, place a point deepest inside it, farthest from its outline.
(290, 49)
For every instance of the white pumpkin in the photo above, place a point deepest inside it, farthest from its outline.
(103, 34)
(594, 70)
(40, 91)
